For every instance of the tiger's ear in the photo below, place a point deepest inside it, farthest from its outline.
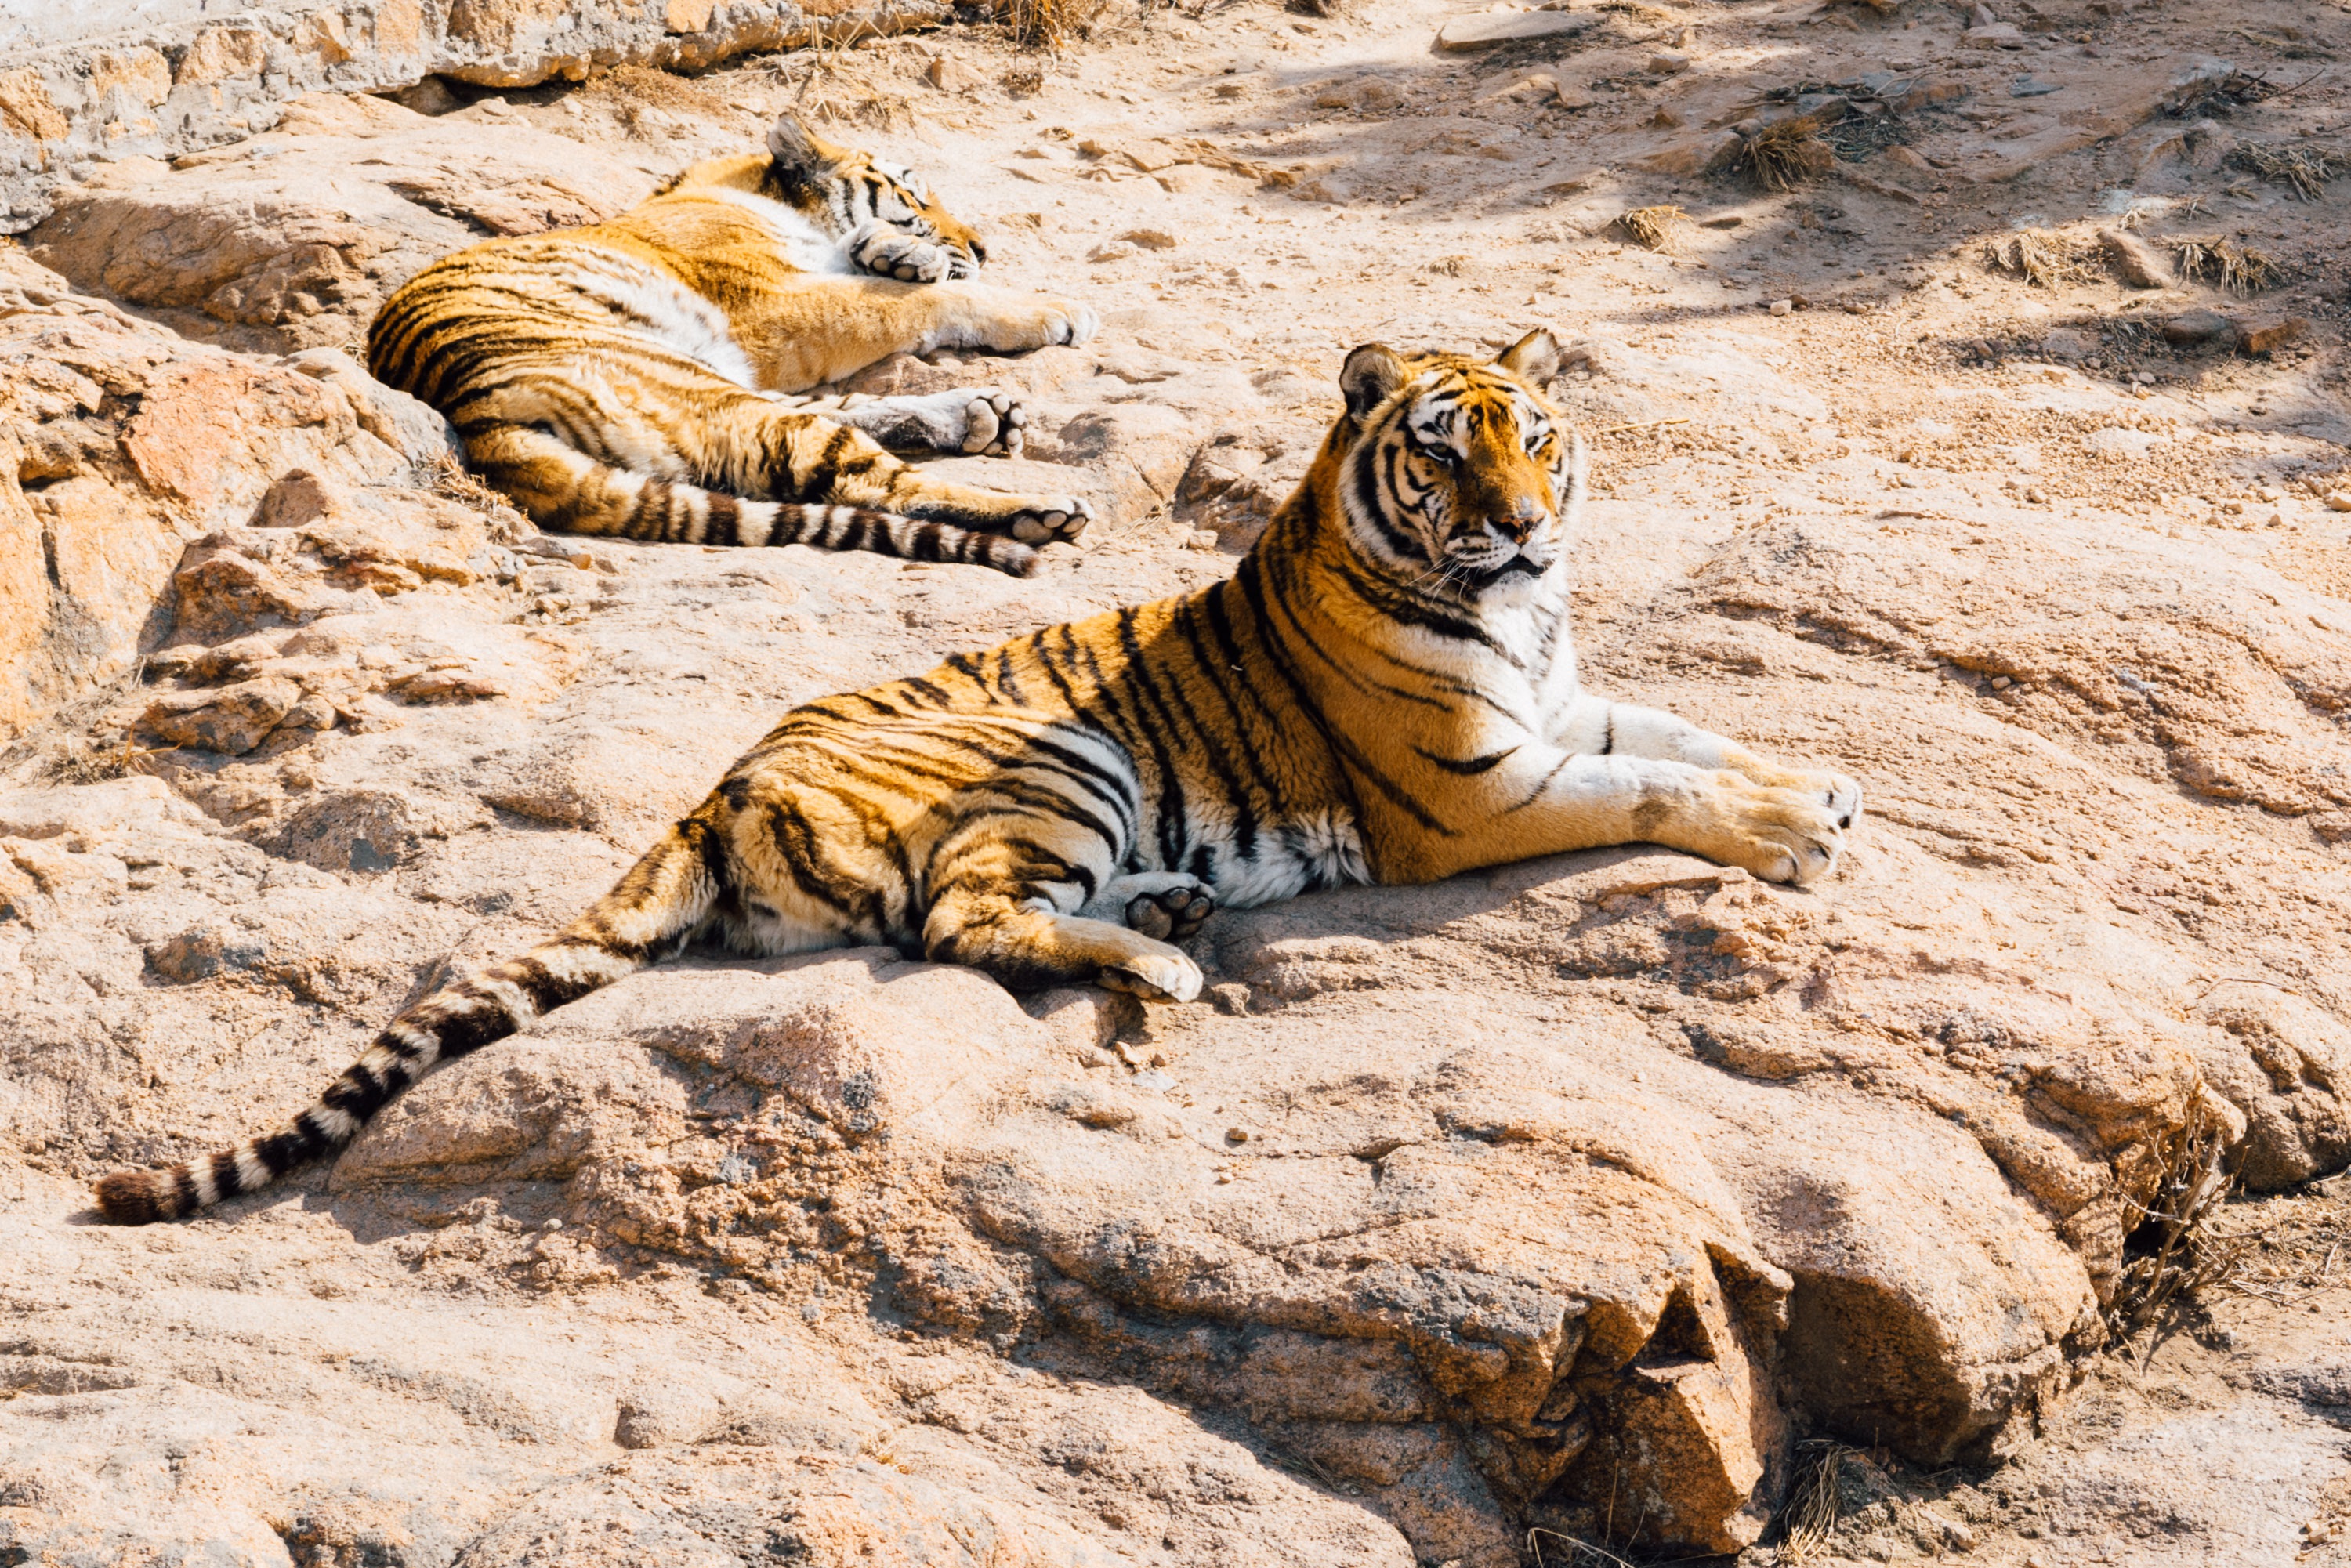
(1533, 359)
(1370, 374)
(795, 152)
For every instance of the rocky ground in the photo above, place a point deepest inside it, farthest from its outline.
(1602, 1204)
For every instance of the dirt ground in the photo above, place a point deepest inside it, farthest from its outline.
(1391, 190)
(1923, 314)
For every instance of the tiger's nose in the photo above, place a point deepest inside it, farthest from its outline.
(1515, 524)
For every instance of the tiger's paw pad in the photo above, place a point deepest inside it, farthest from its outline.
(1051, 519)
(996, 422)
(1155, 977)
(886, 252)
(1171, 915)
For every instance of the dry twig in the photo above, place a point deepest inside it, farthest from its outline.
(2306, 169)
(2239, 268)
(2042, 258)
(1783, 155)
(1652, 228)
(2180, 1253)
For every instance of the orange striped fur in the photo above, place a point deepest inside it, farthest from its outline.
(634, 378)
(1386, 690)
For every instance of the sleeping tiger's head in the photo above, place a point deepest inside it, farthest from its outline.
(1456, 474)
(843, 189)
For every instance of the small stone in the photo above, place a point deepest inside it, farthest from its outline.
(2002, 683)
(2036, 495)
(1237, 1135)
(1201, 540)
(2270, 335)
(2197, 327)
(1150, 239)
(1669, 62)
(2338, 501)
(950, 75)
(2132, 260)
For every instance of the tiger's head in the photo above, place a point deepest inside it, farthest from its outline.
(1456, 476)
(843, 189)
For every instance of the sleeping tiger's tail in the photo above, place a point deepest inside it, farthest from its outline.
(650, 913)
(566, 490)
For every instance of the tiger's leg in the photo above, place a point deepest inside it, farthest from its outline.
(1596, 727)
(1025, 883)
(1027, 945)
(562, 488)
(748, 444)
(975, 421)
(825, 329)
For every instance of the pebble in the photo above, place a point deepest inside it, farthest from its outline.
(1783, 306)
(1237, 1135)
(2036, 495)
(2340, 501)
(2002, 683)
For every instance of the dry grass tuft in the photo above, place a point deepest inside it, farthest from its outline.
(2306, 169)
(2239, 268)
(1784, 155)
(2042, 258)
(1810, 1515)
(2175, 1252)
(1652, 228)
(1052, 24)
(77, 761)
(1024, 80)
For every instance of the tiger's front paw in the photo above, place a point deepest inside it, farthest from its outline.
(876, 248)
(1064, 323)
(995, 423)
(1049, 519)
(1781, 835)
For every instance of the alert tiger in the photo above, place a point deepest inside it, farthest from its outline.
(1384, 691)
(634, 377)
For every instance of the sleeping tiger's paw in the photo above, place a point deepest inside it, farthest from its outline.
(1154, 977)
(1049, 519)
(1839, 794)
(1165, 905)
(1779, 834)
(1067, 324)
(878, 249)
(995, 423)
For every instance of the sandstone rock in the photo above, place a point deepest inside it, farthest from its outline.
(2132, 261)
(2273, 335)
(1488, 30)
(233, 721)
(297, 249)
(111, 463)
(2193, 327)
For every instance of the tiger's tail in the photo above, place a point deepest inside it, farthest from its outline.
(656, 906)
(566, 490)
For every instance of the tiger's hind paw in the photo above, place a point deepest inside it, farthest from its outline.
(995, 423)
(1155, 977)
(1049, 519)
(1164, 906)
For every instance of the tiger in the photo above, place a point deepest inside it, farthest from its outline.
(1383, 691)
(636, 378)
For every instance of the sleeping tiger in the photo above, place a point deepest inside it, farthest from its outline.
(632, 377)
(1384, 690)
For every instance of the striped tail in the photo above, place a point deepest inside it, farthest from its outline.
(565, 490)
(654, 909)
